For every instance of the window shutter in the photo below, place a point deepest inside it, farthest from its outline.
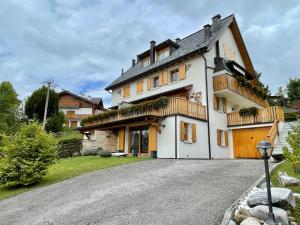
(224, 103)
(216, 105)
(160, 79)
(165, 75)
(219, 138)
(181, 131)
(149, 84)
(182, 72)
(226, 138)
(139, 86)
(121, 138)
(126, 91)
(194, 134)
(152, 138)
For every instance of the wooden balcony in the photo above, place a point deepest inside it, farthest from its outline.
(226, 82)
(76, 116)
(69, 105)
(176, 106)
(265, 115)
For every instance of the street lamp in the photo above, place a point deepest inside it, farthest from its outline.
(265, 150)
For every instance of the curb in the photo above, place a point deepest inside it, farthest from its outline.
(229, 212)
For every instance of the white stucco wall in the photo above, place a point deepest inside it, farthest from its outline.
(199, 149)
(166, 139)
(194, 76)
(79, 111)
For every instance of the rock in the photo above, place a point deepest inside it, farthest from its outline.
(264, 185)
(293, 223)
(297, 195)
(288, 212)
(261, 212)
(281, 197)
(238, 218)
(250, 221)
(286, 180)
(231, 222)
(292, 219)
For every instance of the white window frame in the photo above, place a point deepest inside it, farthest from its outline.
(153, 82)
(171, 75)
(146, 62)
(163, 54)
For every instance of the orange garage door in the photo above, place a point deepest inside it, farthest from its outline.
(245, 141)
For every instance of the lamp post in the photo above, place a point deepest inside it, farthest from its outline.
(265, 150)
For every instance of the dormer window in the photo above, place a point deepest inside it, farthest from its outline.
(163, 54)
(146, 62)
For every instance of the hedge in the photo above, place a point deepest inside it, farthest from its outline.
(69, 147)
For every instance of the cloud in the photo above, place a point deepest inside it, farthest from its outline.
(83, 44)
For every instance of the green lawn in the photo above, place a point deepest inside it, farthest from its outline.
(71, 167)
(287, 167)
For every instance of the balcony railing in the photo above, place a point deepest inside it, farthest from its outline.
(70, 105)
(265, 115)
(77, 116)
(227, 82)
(176, 106)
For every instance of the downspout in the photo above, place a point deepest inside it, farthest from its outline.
(207, 105)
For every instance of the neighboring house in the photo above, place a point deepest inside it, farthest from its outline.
(76, 107)
(208, 77)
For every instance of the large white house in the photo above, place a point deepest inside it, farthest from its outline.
(215, 106)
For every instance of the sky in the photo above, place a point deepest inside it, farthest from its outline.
(82, 45)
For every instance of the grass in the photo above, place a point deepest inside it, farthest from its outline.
(68, 133)
(288, 168)
(68, 168)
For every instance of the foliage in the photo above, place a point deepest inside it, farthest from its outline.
(143, 107)
(105, 154)
(35, 104)
(9, 104)
(69, 147)
(27, 155)
(70, 167)
(293, 91)
(55, 123)
(291, 116)
(280, 99)
(293, 156)
(251, 111)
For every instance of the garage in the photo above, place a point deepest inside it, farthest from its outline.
(245, 141)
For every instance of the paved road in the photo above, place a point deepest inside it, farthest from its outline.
(156, 192)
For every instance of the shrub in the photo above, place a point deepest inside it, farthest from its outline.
(105, 154)
(293, 156)
(69, 147)
(91, 151)
(291, 116)
(55, 122)
(27, 155)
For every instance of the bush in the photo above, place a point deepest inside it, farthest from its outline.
(69, 147)
(293, 156)
(55, 122)
(292, 116)
(27, 155)
(91, 151)
(105, 154)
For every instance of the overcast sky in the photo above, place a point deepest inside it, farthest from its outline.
(83, 44)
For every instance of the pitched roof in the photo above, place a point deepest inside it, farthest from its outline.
(186, 46)
(92, 100)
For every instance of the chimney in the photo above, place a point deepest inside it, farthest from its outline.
(207, 30)
(133, 62)
(177, 40)
(215, 23)
(152, 52)
(122, 73)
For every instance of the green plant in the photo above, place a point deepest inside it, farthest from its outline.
(69, 147)
(293, 156)
(252, 111)
(27, 155)
(55, 122)
(105, 154)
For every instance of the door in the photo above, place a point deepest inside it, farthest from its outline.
(73, 123)
(246, 140)
(139, 140)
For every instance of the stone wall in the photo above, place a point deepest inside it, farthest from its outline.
(106, 140)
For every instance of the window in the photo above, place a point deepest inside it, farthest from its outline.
(220, 104)
(174, 75)
(146, 62)
(155, 82)
(139, 86)
(187, 132)
(163, 54)
(222, 137)
(126, 91)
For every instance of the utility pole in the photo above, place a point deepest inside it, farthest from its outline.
(49, 84)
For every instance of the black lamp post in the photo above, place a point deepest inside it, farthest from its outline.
(265, 150)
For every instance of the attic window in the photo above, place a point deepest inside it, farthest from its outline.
(146, 62)
(163, 54)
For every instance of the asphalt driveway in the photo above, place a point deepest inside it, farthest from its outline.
(155, 192)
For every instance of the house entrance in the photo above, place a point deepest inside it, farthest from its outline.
(138, 140)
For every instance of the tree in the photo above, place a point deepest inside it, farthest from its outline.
(27, 155)
(35, 104)
(293, 91)
(280, 98)
(9, 104)
(55, 122)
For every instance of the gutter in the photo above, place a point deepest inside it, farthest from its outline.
(207, 105)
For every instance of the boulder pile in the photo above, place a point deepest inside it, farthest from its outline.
(253, 209)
